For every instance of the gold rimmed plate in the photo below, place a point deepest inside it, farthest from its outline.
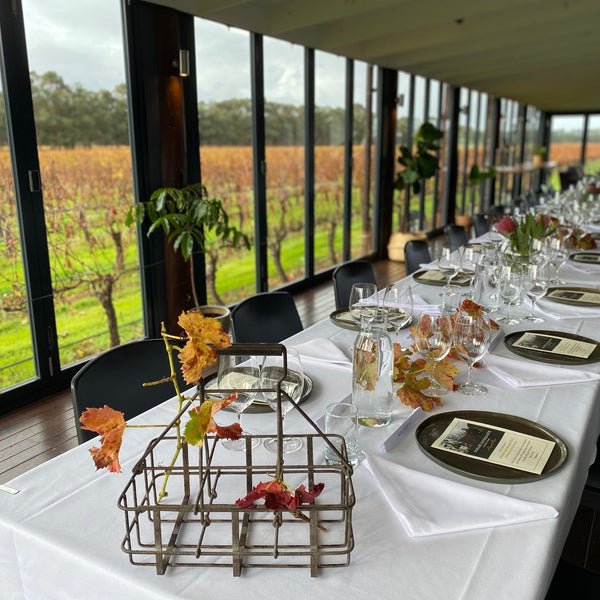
(432, 277)
(553, 347)
(588, 258)
(574, 296)
(259, 405)
(342, 318)
(433, 427)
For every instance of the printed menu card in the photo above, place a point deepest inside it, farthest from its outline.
(554, 344)
(497, 445)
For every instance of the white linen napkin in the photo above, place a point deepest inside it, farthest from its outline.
(522, 373)
(582, 267)
(558, 311)
(429, 505)
(323, 350)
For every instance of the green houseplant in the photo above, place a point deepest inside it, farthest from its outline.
(188, 218)
(417, 165)
(539, 155)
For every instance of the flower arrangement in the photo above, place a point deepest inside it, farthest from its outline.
(520, 231)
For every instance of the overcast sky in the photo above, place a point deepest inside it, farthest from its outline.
(82, 41)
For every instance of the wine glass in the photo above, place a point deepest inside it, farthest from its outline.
(471, 339)
(239, 373)
(363, 296)
(398, 302)
(509, 288)
(535, 284)
(558, 254)
(433, 339)
(272, 372)
(449, 264)
(468, 261)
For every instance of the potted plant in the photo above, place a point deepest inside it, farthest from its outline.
(188, 218)
(538, 157)
(418, 166)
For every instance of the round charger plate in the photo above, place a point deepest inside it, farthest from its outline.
(433, 427)
(342, 318)
(461, 279)
(588, 258)
(547, 357)
(259, 405)
(572, 301)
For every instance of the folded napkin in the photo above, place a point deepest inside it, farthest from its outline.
(429, 505)
(525, 373)
(581, 267)
(559, 311)
(323, 350)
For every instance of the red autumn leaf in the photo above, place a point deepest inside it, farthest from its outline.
(277, 496)
(201, 422)
(304, 496)
(110, 424)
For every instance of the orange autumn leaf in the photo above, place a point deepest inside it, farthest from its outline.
(201, 422)
(110, 424)
(444, 371)
(204, 335)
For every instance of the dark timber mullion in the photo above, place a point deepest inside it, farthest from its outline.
(259, 162)
(409, 136)
(309, 162)
(522, 122)
(348, 139)
(29, 202)
(451, 176)
(476, 151)
(494, 138)
(586, 121)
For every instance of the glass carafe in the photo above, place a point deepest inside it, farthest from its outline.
(372, 370)
(484, 286)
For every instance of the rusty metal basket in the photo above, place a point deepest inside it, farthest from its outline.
(199, 524)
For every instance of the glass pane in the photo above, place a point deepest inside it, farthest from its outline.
(284, 128)
(225, 121)
(363, 159)
(592, 148)
(566, 137)
(80, 109)
(330, 86)
(402, 139)
(16, 350)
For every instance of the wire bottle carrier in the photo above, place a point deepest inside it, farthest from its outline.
(198, 524)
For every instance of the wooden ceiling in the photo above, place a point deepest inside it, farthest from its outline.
(540, 52)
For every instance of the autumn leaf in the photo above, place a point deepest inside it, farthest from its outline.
(366, 366)
(204, 335)
(278, 496)
(443, 371)
(201, 422)
(110, 424)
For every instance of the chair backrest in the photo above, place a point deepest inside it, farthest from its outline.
(269, 317)
(346, 275)
(481, 224)
(415, 253)
(456, 236)
(116, 378)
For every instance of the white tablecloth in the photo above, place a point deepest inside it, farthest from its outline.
(60, 535)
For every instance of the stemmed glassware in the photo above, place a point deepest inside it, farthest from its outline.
(558, 254)
(398, 302)
(468, 261)
(471, 339)
(535, 284)
(433, 339)
(449, 264)
(292, 383)
(363, 296)
(509, 288)
(240, 373)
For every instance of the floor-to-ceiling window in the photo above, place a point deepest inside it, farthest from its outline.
(592, 148)
(224, 116)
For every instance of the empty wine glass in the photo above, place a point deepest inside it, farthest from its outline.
(468, 261)
(449, 264)
(535, 284)
(558, 254)
(433, 339)
(363, 296)
(509, 288)
(240, 374)
(272, 372)
(471, 339)
(398, 302)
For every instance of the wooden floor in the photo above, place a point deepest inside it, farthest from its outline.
(34, 434)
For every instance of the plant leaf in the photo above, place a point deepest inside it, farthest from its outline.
(110, 424)
(201, 422)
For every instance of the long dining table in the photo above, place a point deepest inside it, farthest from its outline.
(61, 534)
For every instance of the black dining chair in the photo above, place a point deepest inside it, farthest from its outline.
(346, 275)
(116, 378)
(269, 317)
(481, 224)
(456, 236)
(415, 253)
(591, 491)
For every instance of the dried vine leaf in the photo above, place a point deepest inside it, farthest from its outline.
(110, 424)
(204, 335)
(278, 495)
(201, 422)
